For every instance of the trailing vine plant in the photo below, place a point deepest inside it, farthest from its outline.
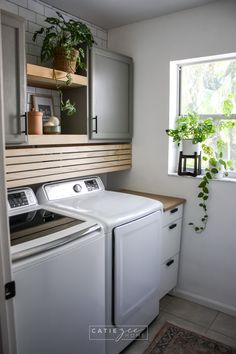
(216, 164)
(66, 106)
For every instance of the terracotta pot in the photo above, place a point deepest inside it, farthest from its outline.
(62, 62)
(35, 122)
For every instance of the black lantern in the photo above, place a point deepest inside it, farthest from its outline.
(194, 161)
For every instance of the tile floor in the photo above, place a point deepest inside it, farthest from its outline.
(200, 319)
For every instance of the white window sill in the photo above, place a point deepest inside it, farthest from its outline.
(224, 179)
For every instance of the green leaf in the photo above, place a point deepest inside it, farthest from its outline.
(200, 195)
(212, 161)
(205, 190)
(208, 175)
(202, 184)
(205, 198)
(214, 171)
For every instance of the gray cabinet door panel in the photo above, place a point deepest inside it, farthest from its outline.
(13, 65)
(110, 96)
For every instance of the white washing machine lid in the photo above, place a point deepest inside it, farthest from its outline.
(110, 208)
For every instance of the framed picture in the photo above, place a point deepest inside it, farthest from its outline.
(43, 103)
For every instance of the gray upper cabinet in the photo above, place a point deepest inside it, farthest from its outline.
(13, 77)
(110, 96)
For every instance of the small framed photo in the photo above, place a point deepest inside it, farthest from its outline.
(43, 103)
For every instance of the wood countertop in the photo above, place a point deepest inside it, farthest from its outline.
(168, 202)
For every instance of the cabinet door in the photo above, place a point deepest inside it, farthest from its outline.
(13, 68)
(110, 87)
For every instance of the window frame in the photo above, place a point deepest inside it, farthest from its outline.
(175, 101)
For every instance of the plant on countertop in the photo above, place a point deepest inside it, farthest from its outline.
(65, 42)
(216, 164)
(192, 126)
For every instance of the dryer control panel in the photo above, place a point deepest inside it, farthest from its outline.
(66, 189)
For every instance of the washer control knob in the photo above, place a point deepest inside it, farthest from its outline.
(77, 188)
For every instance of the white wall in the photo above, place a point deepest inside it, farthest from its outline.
(208, 261)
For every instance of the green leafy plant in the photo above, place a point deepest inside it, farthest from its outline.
(192, 126)
(216, 164)
(64, 34)
(71, 38)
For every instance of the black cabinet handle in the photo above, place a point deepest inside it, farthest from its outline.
(174, 210)
(172, 226)
(26, 123)
(171, 261)
(96, 124)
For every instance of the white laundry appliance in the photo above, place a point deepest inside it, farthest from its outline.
(132, 225)
(58, 265)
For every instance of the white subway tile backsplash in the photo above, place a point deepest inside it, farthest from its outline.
(49, 12)
(39, 41)
(34, 49)
(27, 14)
(31, 59)
(43, 91)
(23, 3)
(29, 38)
(29, 97)
(57, 112)
(31, 89)
(40, 20)
(36, 7)
(32, 27)
(56, 99)
(8, 6)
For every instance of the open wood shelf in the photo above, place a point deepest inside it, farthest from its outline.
(57, 139)
(40, 76)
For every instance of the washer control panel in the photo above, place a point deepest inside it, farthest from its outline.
(21, 198)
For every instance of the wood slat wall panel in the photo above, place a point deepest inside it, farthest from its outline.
(27, 166)
(64, 149)
(28, 182)
(66, 156)
(63, 163)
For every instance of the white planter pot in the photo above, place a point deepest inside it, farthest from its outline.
(188, 148)
(221, 173)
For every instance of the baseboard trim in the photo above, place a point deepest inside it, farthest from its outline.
(204, 301)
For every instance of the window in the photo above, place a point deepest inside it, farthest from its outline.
(205, 86)
(202, 86)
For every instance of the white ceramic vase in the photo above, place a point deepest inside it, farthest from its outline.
(188, 148)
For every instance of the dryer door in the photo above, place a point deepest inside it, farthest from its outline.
(137, 270)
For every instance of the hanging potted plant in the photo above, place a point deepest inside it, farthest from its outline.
(65, 43)
(218, 166)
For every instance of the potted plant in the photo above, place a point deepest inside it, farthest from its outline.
(65, 42)
(191, 130)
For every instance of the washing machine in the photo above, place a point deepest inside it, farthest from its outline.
(132, 227)
(58, 266)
